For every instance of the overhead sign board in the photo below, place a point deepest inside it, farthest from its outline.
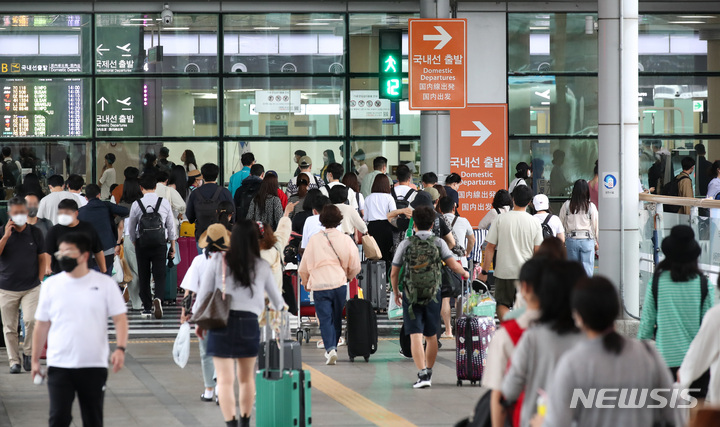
(119, 107)
(478, 153)
(277, 101)
(366, 104)
(438, 64)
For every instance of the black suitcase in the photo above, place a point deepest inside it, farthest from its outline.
(373, 281)
(292, 358)
(361, 333)
(405, 346)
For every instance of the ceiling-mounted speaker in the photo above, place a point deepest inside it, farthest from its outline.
(239, 68)
(288, 67)
(192, 68)
(336, 68)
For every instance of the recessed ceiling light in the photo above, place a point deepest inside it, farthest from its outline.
(539, 28)
(328, 19)
(696, 17)
(266, 28)
(311, 24)
(175, 28)
(686, 22)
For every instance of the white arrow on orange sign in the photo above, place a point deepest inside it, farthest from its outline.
(482, 134)
(443, 37)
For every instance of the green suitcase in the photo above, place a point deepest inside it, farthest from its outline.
(171, 284)
(284, 401)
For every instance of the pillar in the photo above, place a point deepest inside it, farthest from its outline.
(435, 125)
(618, 147)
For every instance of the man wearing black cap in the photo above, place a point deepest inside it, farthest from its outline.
(299, 154)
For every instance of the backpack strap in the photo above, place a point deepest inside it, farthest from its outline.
(547, 219)
(408, 194)
(157, 205)
(199, 194)
(216, 195)
(142, 208)
(497, 210)
(703, 292)
(655, 281)
(316, 180)
(393, 194)
(454, 220)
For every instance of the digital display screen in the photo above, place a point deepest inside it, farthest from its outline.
(43, 107)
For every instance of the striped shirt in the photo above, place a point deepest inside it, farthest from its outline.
(677, 317)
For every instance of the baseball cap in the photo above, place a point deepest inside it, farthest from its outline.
(434, 194)
(541, 202)
(305, 161)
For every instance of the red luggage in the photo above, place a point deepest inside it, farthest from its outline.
(188, 251)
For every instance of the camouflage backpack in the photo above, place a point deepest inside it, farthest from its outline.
(423, 271)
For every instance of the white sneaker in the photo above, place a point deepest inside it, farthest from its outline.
(320, 344)
(341, 342)
(331, 357)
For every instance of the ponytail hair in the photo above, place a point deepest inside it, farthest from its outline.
(597, 303)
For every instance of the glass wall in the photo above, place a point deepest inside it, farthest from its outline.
(552, 99)
(78, 86)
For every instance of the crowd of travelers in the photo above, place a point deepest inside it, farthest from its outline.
(551, 308)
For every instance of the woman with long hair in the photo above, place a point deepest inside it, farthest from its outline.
(266, 206)
(179, 181)
(536, 355)
(675, 302)
(246, 278)
(303, 181)
(330, 260)
(351, 181)
(189, 162)
(214, 241)
(30, 184)
(130, 194)
(606, 358)
(328, 158)
(378, 204)
(579, 217)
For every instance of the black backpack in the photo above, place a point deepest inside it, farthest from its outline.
(151, 227)
(672, 188)
(244, 197)
(206, 211)
(401, 203)
(546, 229)
(10, 173)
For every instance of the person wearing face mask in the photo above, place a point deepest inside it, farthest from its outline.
(72, 316)
(21, 271)
(48, 205)
(68, 222)
(43, 224)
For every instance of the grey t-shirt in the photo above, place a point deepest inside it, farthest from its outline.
(589, 366)
(445, 252)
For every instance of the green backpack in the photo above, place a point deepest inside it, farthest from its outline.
(423, 272)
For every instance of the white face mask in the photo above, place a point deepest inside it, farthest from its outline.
(20, 219)
(64, 219)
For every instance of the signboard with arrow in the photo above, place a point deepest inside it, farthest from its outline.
(438, 64)
(119, 108)
(478, 153)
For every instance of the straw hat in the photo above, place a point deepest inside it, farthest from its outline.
(216, 235)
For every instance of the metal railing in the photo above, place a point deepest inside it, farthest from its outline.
(655, 224)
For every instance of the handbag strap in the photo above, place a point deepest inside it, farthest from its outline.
(224, 272)
(333, 247)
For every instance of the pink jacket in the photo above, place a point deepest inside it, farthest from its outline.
(320, 268)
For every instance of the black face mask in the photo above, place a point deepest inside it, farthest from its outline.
(67, 264)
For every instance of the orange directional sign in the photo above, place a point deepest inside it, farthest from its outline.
(438, 64)
(478, 152)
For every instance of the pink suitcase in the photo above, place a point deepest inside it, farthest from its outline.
(188, 252)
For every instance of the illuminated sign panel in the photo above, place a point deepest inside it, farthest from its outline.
(390, 63)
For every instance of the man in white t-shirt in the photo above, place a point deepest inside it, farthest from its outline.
(48, 207)
(312, 224)
(75, 184)
(72, 318)
(404, 189)
(516, 235)
(542, 206)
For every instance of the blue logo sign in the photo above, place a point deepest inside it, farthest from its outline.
(610, 181)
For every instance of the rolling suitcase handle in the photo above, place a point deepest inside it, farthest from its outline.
(267, 373)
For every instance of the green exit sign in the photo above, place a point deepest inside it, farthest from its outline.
(390, 65)
(698, 106)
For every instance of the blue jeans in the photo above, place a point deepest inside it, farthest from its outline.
(583, 251)
(329, 305)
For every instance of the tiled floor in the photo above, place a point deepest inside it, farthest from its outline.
(152, 391)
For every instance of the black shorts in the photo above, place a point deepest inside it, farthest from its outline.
(239, 339)
(427, 317)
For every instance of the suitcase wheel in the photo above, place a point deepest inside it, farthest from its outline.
(306, 332)
(352, 359)
(459, 383)
(299, 336)
(367, 359)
